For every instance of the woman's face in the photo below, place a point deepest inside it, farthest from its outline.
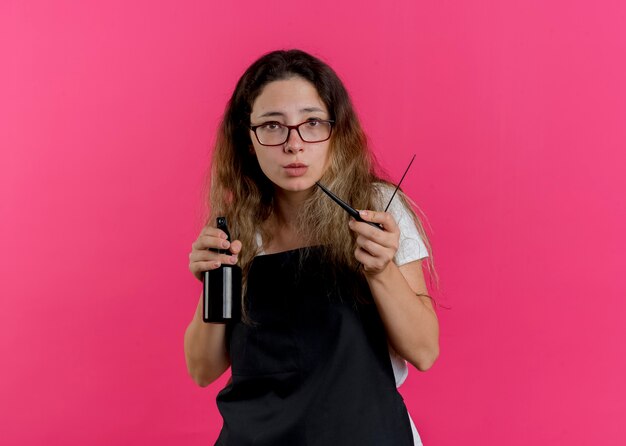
(295, 165)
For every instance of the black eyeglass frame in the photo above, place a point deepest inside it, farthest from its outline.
(290, 128)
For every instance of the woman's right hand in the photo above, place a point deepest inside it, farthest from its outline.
(201, 259)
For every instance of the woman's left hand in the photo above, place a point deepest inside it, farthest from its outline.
(375, 248)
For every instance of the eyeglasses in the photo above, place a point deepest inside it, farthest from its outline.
(276, 134)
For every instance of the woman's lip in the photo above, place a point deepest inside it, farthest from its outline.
(295, 165)
(296, 171)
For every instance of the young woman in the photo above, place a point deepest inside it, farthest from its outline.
(333, 308)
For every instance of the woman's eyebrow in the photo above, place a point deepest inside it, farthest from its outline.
(312, 109)
(302, 110)
(271, 113)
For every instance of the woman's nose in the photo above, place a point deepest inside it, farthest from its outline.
(294, 143)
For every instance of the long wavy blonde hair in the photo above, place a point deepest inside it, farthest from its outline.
(243, 194)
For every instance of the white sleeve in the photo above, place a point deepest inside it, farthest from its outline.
(411, 246)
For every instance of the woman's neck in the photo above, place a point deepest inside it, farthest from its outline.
(288, 205)
(282, 225)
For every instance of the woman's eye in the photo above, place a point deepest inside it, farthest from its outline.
(271, 126)
(313, 122)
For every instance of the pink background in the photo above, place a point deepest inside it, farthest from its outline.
(517, 112)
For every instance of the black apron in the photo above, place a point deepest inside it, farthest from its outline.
(313, 369)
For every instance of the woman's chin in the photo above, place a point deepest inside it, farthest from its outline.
(297, 186)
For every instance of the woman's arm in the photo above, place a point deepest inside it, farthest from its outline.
(410, 320)
(205, 343)
(205, 349)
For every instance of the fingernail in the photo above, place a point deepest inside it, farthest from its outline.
(363, 213)
(218, 264)
(222, 235)
(225, 244)
(233, 259)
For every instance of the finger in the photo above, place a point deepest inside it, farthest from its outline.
(382, 218)
(229, 259)
(235, 247)
(197, 268)
(374, 249)
(362, 256)
(210, 242)
(204, 255)
(384, 238)
(213, 231)
(369, 262)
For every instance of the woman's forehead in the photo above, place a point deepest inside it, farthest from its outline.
(294, 95)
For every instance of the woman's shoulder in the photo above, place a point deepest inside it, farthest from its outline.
(382, 188)
(385, 195)
(385, 198)
(411, 246)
